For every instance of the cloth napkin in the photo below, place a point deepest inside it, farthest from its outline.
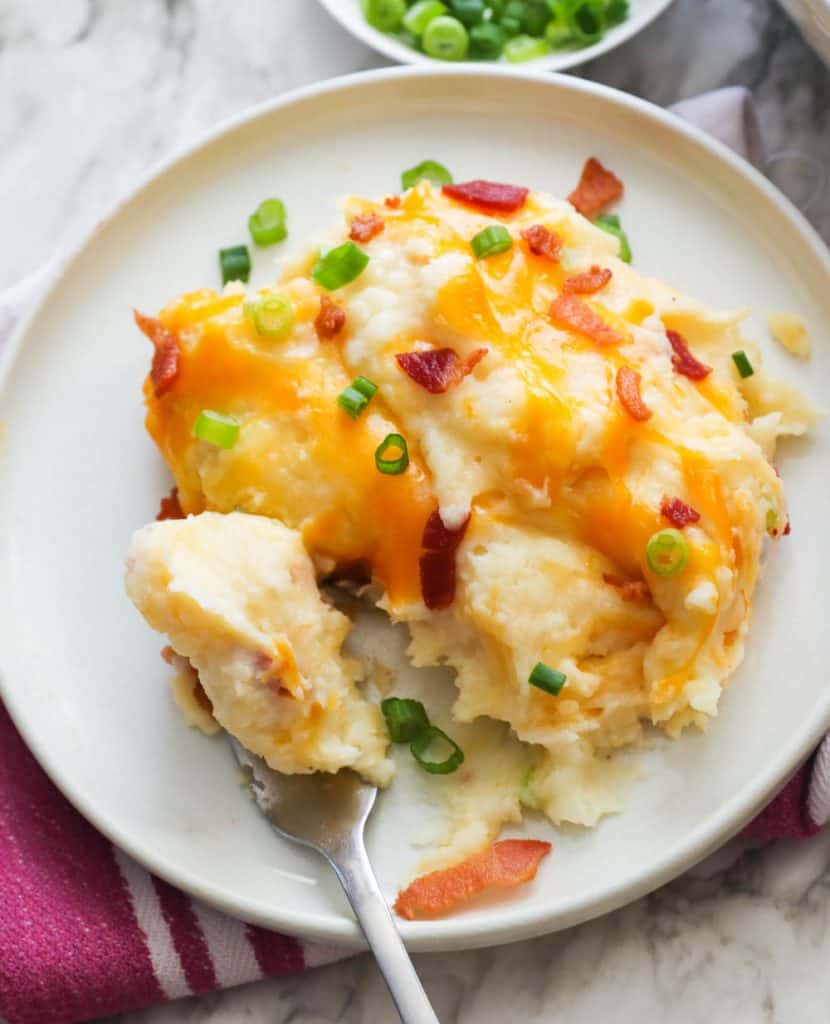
(85, 931)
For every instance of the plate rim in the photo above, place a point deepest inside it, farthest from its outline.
(514, 924)
(388, 47)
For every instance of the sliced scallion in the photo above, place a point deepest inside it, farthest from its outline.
(267, 222)
(667, 552)
(741, 361)
(216, 428)
(340, 266)
(521, 49)
(445, 39)
(385, 15)
(546, 678)
(354, 399)
(405, 718)
(610, 224)
(423, 750)
(395, 464)
(272, 314)
(430, 170)
(235, 263)
(491, 241)
(420, 14)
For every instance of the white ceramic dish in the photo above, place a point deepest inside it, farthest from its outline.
(350, 16)
(81, 672)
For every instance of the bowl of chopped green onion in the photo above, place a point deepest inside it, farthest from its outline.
(554, 34)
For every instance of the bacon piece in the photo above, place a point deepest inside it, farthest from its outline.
(488, 195)
(628, 392)
(439, 369)
(393, 202)
(596, 189)
(331, 319)
(630, 590)
(165, 367)
(502, 865)
(678, 513)
(543, 242)
(682, 359)
(571, 313)
(588, 282)
(366, 226)
(787, 528)
(437, 561)
(169, 507)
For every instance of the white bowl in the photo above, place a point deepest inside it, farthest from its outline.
(350, 16)
(80, 670)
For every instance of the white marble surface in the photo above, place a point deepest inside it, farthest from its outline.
(92, 92)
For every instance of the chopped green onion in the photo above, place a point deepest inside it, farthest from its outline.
(385, 15)
(272, 314)
(546, 678)
(393, 465)
(421, 14)
(424, 740)
(267, 222)
(741, 360)
(356, 396)
(523, 48)
(486, 41)
(468, 12)
(536, 18)
(510, 26)
(445, 39)
(667, 552)
(610, 224)
(235, 263)
(616, 11)
(405, 718)
(772, 519)
(430, 170)
(491, 241)
(340, 266)
(216, 429)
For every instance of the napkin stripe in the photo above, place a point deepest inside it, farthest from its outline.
(276, 954)
(166, 964)
(187, 938)
(231, 952)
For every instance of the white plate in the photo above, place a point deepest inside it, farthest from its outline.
(81, 671)
(350, 16)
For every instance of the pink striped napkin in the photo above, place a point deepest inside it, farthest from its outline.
(85, 931)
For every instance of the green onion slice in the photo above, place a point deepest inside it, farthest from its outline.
(486, 41)
(340, 266)
(405, 718)
(520, 49)
(235, 263)
(546, 678)
(667, 552)
(385, 15)
(217, 429)
(430, 170)
(392, 465)
(610, 224)
(772, 519)
(420, 14)
(267, 222)
(741, 360)
(491, 241)
(272, 314)
(445, 39)
(423, 750)
(356, 396)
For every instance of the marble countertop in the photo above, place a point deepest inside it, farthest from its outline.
(92, 92)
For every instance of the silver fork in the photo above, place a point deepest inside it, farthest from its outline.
(328, 813)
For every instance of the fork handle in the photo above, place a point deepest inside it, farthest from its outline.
(358, 880)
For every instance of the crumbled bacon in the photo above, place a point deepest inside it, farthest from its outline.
(630, 590)
(165, 367)
(437, 561)
(787, 529)
(543, 242)
(682, 359)
(596, 189)
(588, 282)
(331, 319)
(571, 313)
(365, 227)
(169, 508)
(678, 513)
(628, 392)
(438, 369)
(488, 195)
(503, 865)
(393, 202)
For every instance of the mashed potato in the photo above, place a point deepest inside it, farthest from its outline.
(562, 483)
